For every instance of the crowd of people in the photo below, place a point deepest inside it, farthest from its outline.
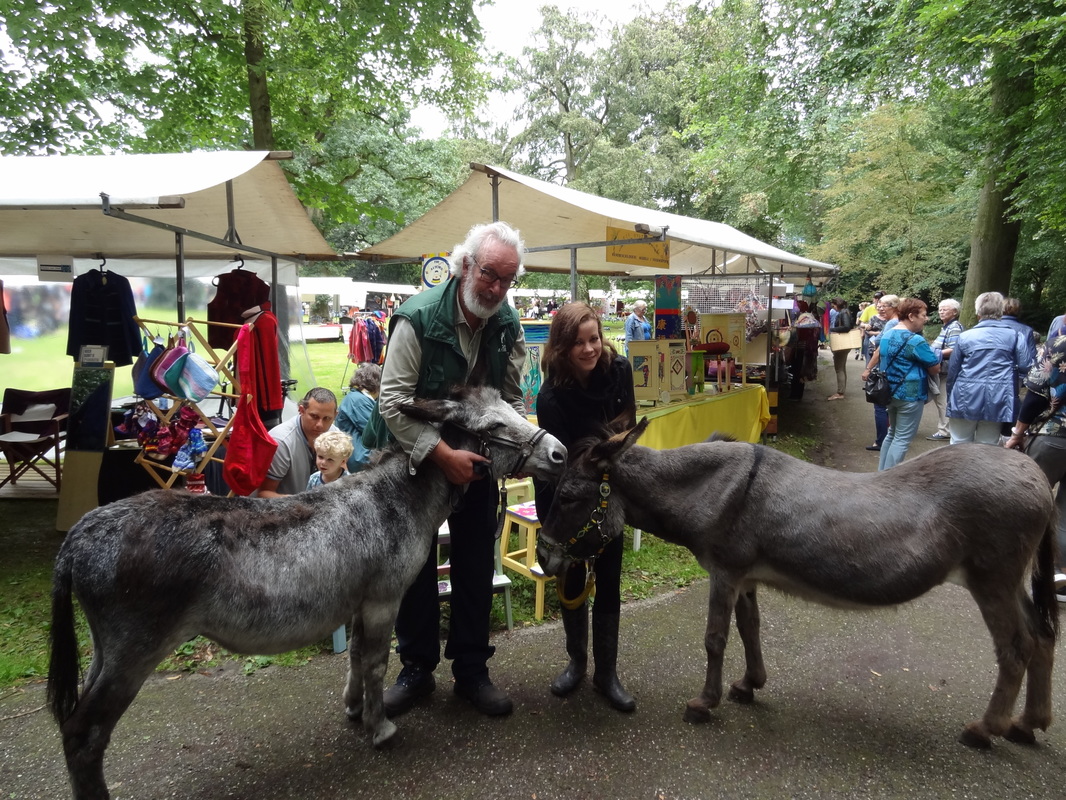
(989, 384)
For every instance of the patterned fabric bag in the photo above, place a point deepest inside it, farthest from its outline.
(198, 378)
(167, 369)
(143, 385)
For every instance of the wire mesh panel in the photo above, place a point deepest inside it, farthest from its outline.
(731, 293)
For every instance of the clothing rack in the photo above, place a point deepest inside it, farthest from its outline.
(163, 474)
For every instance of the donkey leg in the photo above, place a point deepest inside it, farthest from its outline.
(747, 611)
(723, 598)
(1014, 646)
(87, 733)
(1037, 712)
(378, 621)
(353, 686)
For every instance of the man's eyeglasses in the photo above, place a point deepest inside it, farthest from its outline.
(490, 276)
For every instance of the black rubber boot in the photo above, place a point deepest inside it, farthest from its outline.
(605, 652)
(576, 625)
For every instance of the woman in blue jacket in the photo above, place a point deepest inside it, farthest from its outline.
(986, 366)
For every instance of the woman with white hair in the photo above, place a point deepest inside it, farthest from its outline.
(944, 344)
(985, 366)
(637, 327)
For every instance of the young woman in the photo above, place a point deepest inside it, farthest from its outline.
(587, 385)
(907, 359)
(841, 322)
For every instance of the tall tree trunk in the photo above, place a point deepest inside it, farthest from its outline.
(992, 247)
(258, 92)
(995, 235)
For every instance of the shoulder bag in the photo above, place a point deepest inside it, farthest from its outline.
(877, 388)
(143, 385)
(174, 353)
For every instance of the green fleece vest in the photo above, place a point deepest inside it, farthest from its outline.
(433, 316)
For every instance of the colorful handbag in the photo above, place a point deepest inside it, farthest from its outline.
(166, 371)
(198, 378)
(143, 385)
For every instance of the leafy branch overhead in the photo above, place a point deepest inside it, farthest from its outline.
(154, 76)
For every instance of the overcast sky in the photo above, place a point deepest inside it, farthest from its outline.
(509, 26)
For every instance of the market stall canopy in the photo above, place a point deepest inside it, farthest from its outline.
(53, 206)
(557, 217)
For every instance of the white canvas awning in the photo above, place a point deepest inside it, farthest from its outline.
(349, 292)
(556, 216)
(52, 205)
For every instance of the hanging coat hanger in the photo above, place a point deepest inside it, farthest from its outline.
(240, 261)
(103, 267)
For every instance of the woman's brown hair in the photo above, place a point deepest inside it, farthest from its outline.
(555, 359)
(910, 306)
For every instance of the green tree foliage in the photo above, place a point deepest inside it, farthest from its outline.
(564, 108)
(601, 111)
(898, 215)
(757, 157)
(1002, 60)
(152, 76)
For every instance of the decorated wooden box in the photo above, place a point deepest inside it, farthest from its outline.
(647, 362)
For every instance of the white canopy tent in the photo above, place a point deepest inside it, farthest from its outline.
(349, 292)
(566, 231)
(179, 216)
(155, 215)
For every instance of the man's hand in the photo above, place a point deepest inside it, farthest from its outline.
(458, 465)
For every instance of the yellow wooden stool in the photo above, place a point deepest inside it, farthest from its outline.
(521, 521)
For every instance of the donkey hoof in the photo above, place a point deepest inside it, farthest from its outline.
(355, 713)
(384, 733)
(696, 712)
(1020, 735)
(974, 736)
(740, 692)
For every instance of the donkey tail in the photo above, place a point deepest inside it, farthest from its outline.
(1043, 582)
(63, 666)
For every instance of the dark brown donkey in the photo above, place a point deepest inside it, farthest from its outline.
(978, 516)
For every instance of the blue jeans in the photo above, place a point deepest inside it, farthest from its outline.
(880, 424)
(903, 419)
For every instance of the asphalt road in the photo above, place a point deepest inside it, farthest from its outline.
(858, 705)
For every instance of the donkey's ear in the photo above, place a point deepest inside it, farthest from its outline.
(607, 452)
(428, 410)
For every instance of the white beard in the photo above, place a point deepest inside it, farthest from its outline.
(474, 304)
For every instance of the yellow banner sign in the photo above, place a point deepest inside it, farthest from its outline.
(653, 254)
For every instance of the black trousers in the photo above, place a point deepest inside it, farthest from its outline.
(608, 598)
(473, 537)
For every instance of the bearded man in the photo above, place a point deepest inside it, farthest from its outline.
(461, 332)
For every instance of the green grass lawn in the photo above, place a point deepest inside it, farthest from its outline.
(42, 362)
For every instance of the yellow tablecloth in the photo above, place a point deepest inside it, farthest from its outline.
(742, 413)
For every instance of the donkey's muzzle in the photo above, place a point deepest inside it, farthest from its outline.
(549, 459)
